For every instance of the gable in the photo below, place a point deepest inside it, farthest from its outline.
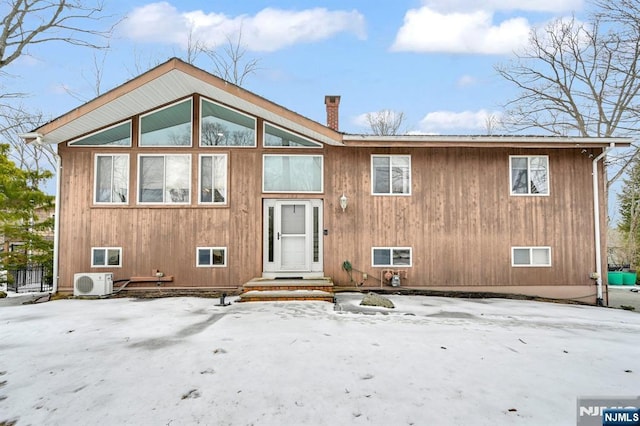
(167, 83)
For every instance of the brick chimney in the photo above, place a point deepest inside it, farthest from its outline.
(333, 104)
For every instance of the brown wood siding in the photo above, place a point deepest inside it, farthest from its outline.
(459, 220)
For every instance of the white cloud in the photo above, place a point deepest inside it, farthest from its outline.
(443, 121)
(466, 81)
(269, 30)
(425, 30)
(552, 6)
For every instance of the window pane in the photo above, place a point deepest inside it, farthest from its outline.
(119, 135)
(204, 257)
(270, 237)
(222, 126)
(120, 179)
(274, 136)
(206, 179)
(519, 176)
(177, 179)
(292, 173)
(521, 256)
(401, 257)
(401, 175)
(99, 257)
(540, 256)
(539, 184)
(170, 126)
(218, 256)
(113, 257)
(103, 179)
(381, 257)
(316, 234)
(151, 179)
(381, 182)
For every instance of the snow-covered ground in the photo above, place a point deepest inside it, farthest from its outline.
(430, 361)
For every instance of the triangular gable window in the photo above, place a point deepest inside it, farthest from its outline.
(277, 137)
(222, 126)
(170, 126)
(118, 135)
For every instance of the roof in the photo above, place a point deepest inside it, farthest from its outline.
(176, 79)
(166, 83)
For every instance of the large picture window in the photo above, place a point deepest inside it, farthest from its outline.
(391, 174)
(531, 256)
(529, 175)
(164, 179)
(169, 126)
(292, 173)
(117, 135)
(391, 256)
(213, 179)
(111, 179)
(222, 126)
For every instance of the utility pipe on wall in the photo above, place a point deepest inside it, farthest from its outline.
(596, 222)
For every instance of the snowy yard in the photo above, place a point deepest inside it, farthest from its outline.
(430, 361)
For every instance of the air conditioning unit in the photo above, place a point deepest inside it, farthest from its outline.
(93, 284)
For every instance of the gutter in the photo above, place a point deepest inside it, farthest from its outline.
(596, 221)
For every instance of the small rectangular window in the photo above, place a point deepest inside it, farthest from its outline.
(529, 175)
(213, 179)
(391, 174)
(211, 257)
(106, 257)
(531, 256)
(391, 256)
(164, 179)
(111, 179)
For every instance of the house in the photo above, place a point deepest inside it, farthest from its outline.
(181, 176)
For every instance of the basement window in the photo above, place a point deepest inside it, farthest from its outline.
(211, 257)
(391, 256)
(531, 256)
(105, 257)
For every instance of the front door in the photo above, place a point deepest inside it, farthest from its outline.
(292, 238)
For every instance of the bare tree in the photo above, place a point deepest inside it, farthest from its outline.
(385, 122)
(29, 157)
(230, 62)
(492, 122)
(580, 78)
(32, 22)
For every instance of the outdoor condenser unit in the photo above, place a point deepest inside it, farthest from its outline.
(93, 284)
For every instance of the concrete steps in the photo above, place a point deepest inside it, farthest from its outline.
(262, 290)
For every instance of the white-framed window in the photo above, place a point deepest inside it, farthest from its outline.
(391, 256)
(211, 257)
(213, 179)
(529, 174)
(531, 256)
(391, 174)
(106, 257)
(292, 173)
(277, 137)
(111, 179)
(223, 126)
(164, 179)
(116, 135)
(168, 126)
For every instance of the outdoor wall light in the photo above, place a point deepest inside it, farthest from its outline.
(343, 202)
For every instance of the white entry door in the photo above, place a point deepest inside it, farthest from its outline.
(292, 237)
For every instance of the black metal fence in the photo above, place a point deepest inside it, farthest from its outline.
(33, 278)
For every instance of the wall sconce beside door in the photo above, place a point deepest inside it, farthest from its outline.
(343, 202)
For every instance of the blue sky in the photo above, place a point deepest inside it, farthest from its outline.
(432, 60)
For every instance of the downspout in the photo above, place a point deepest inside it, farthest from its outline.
(596, 222)
(56, 225)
